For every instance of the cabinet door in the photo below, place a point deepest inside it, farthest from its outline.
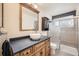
(37, 54)
(47, 47)
(47, 51)
(41, 52)
(39, 46)
(45, 23)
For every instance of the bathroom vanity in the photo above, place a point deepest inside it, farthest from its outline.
(27, 47)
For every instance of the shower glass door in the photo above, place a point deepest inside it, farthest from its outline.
(68, 35)
(64, 35)
(54, 32)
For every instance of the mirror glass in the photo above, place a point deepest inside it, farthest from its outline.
(29, 19)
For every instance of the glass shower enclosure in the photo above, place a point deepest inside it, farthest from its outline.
(64, 35)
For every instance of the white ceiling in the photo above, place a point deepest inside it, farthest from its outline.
(53, 5)
(50, 9)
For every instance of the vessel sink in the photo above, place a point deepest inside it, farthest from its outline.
(36, 36)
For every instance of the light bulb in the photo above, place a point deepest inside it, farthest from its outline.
(35, 6)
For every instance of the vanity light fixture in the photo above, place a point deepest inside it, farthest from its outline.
(35, 6)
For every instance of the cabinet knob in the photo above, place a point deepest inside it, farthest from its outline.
(41, 53)
(26, 52)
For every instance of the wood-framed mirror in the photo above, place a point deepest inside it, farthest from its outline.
(29, 18)
(1, 15)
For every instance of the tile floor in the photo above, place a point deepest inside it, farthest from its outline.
(64, 51)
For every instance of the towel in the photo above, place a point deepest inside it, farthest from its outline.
(6, 49)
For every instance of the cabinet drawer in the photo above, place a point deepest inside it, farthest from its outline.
(26, 52)
(38, 46)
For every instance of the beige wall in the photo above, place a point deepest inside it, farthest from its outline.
(11, 21)
(0, 15)
(11, 18)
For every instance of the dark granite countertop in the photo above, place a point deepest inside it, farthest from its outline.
(20, 44)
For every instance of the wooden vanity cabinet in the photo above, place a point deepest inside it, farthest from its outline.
(47, 48)
(25, 52)
(40, 49)
(41, 52)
